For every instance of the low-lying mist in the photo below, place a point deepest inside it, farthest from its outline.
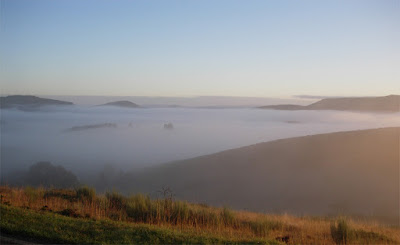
(134, 138)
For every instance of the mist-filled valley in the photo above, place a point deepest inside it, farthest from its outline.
(137, 137)
(131, 150)
(200, 122)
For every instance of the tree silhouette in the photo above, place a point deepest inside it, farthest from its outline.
(47, 175)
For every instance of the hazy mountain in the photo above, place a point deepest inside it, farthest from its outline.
(354, 172)
(122, 103)
(198, 101)
(288, 107)
(389, 103)
(29, 102)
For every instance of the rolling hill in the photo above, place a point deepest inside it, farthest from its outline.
(29, 102)
(123, 103)
(389, 103)
(354, 173)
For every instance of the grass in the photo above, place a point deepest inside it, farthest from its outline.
(86, 193)
(53, 228)
(85, 214)
(342, 233)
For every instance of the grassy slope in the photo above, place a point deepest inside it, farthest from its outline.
(112, 218)
(323, 174)
(53, 228)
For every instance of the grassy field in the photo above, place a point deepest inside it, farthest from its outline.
(45, 227)
(81, 216)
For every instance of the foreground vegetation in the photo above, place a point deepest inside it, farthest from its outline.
(81, 216)
(52, 228)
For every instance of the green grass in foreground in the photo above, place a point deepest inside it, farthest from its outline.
(53, 228)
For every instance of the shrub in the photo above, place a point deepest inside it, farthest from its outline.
(180, 212)
(228, 217)
(102, 202)
(116, 200)
(139, 208)
(86, 193)
(47, 175)
(340, 231)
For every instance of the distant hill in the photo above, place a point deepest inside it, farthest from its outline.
(29, 102)
(288, 107)
(93, 126)
(122, 103)
(353, 173)
(389, 103)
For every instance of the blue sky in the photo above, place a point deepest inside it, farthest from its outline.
(190, 48)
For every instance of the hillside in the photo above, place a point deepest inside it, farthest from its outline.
(29, 102)
(80, 216)
(354, 172)
(389, 103)
(123, 103)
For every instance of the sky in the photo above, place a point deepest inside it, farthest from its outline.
(266, 48)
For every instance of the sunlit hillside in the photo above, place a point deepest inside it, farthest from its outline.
(335, 173)
(83, 216)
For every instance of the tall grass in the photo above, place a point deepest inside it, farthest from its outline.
(83, 202)
(262, 227)
(340, 231)
(139, 208)
(48, 228)
(343, 233)
(33, 194)
(86, 193)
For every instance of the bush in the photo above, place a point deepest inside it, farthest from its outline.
(340, 232)
(228, 217)
(47, 175)
(116, 200)
(86, 193)
(139, 208)
(180, 212)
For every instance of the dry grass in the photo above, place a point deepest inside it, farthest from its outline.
(201, 219)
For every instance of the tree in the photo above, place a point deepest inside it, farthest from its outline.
(47, 175)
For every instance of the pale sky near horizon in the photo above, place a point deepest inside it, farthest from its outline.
(254, 48)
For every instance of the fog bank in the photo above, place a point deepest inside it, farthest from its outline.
(139, 138)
